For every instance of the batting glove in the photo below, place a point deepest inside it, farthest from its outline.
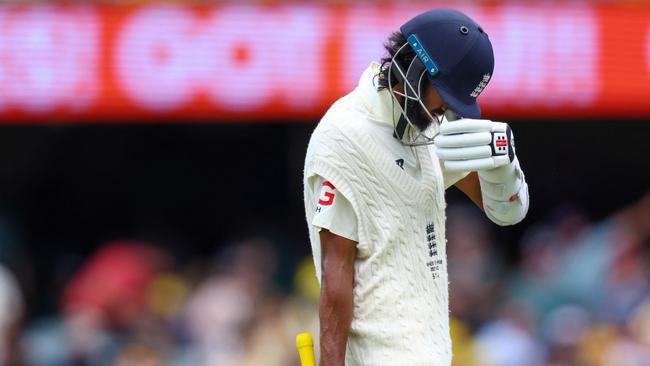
(475, 144)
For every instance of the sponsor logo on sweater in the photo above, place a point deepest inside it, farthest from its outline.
(327, 194)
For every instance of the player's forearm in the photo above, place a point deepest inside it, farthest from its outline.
(471, 186)
(335, 312)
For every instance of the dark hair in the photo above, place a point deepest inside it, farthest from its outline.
(392, 45)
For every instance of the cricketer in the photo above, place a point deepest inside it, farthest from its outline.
(376, 170)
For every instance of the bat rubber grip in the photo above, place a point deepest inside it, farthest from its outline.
(305, 345)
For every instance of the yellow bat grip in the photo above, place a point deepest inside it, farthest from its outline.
(305, 345)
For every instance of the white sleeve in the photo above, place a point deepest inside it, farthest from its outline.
(333, 211)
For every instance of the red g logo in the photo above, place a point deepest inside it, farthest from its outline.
(327, 194)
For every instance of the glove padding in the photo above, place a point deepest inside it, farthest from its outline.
(475, 144)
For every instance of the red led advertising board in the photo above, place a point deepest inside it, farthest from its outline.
(163, 62)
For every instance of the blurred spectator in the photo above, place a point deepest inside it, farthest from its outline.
(105, 301)
(475, 269)
(606, 268)
(220, 311)
(112, 285)
(11, 309)
(544, 248)
(639, 323)
(139, 355)
(510, 340)
(562, 330)
(592, 349)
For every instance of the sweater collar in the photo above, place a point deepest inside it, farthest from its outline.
(379, 103)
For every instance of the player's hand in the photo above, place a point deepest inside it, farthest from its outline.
(475, 144)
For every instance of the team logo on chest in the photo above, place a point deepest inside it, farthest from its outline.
(431, 241)
(434, 262)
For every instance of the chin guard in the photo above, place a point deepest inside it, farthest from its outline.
(413, 126)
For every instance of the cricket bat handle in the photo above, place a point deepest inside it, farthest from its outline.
(305, 345)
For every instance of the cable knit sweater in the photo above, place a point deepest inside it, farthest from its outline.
(400, 314)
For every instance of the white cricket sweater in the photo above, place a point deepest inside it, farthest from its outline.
(400, 314)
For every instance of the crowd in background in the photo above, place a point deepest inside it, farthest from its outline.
(577, 295)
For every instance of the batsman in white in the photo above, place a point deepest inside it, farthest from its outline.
(376, 171)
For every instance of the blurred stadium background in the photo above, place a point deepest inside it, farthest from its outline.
(151, 180)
